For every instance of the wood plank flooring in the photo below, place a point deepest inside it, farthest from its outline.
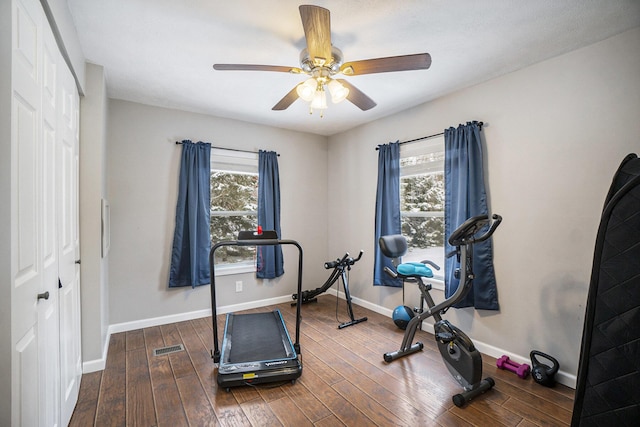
(344, 382)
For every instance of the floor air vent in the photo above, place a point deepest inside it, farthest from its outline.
(168, 350)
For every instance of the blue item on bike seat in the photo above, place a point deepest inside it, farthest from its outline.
(414, 269)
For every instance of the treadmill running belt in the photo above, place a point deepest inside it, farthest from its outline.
(259, 337)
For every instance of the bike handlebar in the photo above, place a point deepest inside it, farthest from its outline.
(465, 233)
(344, 262)
(431, 263)
(497, 219)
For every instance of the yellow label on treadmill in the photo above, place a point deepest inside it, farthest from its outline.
(248, 376)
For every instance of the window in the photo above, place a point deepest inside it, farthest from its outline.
(234, 205)
(422, 201)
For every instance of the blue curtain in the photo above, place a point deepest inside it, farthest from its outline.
(191, 240)
(465, 196)
(270, 262)
(387, 209)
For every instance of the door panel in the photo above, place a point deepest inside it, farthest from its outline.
(68, 248)
(26, 181)
(26, 412)
(48, 327)
(45, 320)
(49, 378)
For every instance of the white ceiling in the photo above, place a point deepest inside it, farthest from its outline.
(161, 52)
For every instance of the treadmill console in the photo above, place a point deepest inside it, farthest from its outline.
(258, 235)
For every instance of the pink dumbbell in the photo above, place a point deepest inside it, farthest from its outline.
(521, 370)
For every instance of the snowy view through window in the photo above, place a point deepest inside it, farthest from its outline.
(422, 208)
(234, 205)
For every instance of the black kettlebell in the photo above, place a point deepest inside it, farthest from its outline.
(541, 373)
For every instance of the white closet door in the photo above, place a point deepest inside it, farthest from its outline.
(69, 246)
(45, 306)
(26, 178)
(48, 326)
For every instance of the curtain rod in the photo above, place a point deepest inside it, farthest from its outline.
(429, 136)
(228, 149)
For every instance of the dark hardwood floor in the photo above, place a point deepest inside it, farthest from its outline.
(344, 382)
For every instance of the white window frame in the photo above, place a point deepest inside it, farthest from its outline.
(434, 149)
(237, 162)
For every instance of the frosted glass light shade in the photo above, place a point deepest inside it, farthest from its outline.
(338, 91)
(319, 100)
(307, 89)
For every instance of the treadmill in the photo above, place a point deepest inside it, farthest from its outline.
(256, 347)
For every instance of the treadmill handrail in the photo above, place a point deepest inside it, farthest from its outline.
(252, 242)
(256, 242)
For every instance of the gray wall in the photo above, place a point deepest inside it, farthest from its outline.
(143, 163)
(555, 133)
(93, 270)
(64, 29)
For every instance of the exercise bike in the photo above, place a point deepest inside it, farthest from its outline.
(340, 268)
(459, 354)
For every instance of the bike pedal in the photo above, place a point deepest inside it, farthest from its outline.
(445, 337)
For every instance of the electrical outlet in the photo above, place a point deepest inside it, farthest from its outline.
(239, 286)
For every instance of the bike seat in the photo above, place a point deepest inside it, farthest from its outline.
(415, 269)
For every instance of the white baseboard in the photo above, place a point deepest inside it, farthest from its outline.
(561, 377)
(373, 307)
(99, 364)
(96, 365)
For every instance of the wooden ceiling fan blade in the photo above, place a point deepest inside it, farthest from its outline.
(418, 61)
(357, 97)
(316, 22)
(250, 67)
(288, 99)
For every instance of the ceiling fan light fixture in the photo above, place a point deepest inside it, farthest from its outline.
(307, 89)
(322, 61)
(338, 92)
(319, 101)
(336, 60)
(305, 61)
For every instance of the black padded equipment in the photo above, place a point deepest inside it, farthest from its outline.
(608, 384)
(393, 246)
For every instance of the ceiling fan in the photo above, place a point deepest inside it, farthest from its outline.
(322, 61)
